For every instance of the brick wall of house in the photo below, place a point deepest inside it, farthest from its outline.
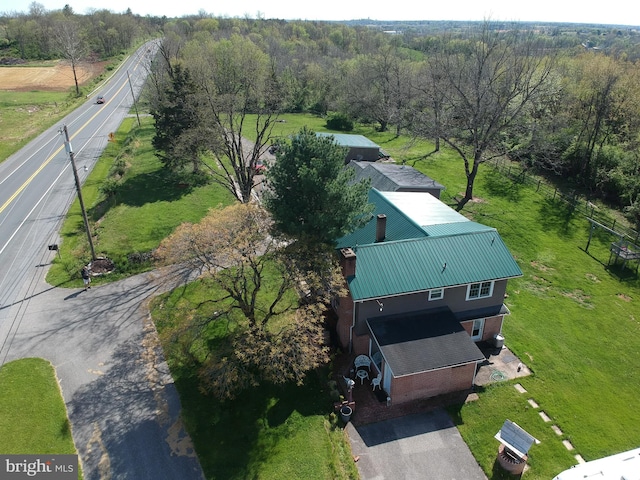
(492, 325)
(344, 310)
(361, 344)
(431, 384)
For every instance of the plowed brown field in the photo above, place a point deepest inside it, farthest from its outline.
(58, 77)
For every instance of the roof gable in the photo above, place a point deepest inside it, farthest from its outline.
(402, 267)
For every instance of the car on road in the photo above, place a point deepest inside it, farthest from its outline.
(100, 99)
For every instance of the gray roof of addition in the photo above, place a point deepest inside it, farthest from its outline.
(390, 177)
(423, 341)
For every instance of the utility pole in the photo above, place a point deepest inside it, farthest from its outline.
(67, 146)
(135, 105)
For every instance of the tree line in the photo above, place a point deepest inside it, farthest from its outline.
(558, 105)
(35, 34)
(560, 98)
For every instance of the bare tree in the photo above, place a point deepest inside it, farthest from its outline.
(69, 39)
(484, 87)
(377, 87)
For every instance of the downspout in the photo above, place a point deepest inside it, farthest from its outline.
(475, 373)
(353, 324)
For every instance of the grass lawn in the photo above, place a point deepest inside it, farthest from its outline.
(37, 426)
(267, 433)
(574, 321)
(148, 205)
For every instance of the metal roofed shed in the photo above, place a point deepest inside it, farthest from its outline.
(514, 448)
(360, 147)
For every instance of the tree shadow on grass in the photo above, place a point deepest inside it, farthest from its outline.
(160, 185)
(228, 436)
(498, 185)
(558, 216)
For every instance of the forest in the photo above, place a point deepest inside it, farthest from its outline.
(563, 100)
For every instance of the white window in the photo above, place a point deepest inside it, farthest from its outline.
(436, 294)
(479, 290)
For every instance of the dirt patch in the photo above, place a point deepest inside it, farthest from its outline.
(54, 78)
(101, 266)
(624, 297)
(540, 266)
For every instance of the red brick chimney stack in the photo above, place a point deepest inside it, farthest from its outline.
(381, 227)
(348, 262)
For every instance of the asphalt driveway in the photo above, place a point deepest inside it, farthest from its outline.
(422, 446)
(123, 407)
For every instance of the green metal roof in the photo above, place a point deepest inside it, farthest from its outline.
(410, 215)
(347, 140)
(445, 229)
(423, 208)
(399, 226)
(427, 245)
(396, 268)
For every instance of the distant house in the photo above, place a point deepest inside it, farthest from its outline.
(425, 284)
(389, 177)
(360, 147)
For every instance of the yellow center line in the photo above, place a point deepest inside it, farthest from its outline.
(46, 162)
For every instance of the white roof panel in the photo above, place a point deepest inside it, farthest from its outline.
(423, 208)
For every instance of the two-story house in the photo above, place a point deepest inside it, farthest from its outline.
(425, 284)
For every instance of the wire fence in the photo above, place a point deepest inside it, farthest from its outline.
(573, 199)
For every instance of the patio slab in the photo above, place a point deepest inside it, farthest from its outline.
(500, 364)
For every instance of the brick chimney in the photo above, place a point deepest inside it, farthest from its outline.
(381, 227)
(348, 262)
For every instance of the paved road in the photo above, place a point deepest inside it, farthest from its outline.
(122, 404)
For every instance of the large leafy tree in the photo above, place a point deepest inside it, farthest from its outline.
(268, 336)
(311, 195)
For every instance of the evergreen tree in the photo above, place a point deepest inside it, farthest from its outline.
(311, 194)
(176, 122)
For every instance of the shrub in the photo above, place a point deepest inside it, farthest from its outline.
(340, 122)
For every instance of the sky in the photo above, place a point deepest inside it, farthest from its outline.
(617, 12)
